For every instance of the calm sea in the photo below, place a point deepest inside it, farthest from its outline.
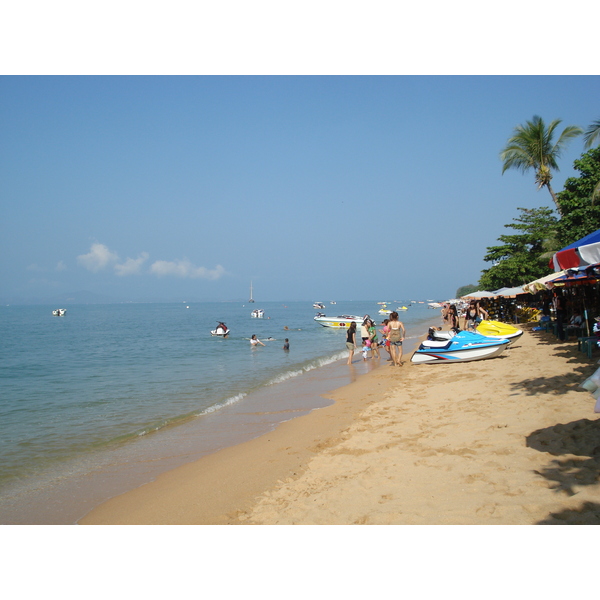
(105, 379)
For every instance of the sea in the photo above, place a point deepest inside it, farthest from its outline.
(107, 397)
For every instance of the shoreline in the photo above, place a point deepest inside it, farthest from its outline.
(419, 444)
(84, 486)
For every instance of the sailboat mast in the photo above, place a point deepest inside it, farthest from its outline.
(251, 299)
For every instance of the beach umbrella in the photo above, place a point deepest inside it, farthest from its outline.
(583, 252)
(543, 283)
(479, 294)
(510, 292)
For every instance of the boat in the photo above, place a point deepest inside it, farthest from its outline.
(499, 330)
(340, 322)
(257, 313)
(59, 312)
(434, 305)
(384, 310)
(318, 305)
(221, 330)
(402, 308)
(464, 346)
(333, 302)
(251, 298)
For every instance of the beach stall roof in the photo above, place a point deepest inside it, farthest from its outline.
(583, 252)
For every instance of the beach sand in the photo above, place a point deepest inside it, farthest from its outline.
(508, 440)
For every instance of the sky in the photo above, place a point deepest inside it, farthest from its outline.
(312, 187)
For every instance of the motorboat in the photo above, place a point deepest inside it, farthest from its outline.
(434, 305)
(59, 312)
(402, 308)
(257, 313)
(499, 330)
(463, 346)
(221, 330)
(318, 305)
(333, 302)
(340, 322)
(384, 310)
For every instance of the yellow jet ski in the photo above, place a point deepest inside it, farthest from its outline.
(499, 330)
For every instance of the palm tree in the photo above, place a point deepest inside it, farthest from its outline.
(591, 135)
(532, 147)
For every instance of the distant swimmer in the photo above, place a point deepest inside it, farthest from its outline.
(286, 328)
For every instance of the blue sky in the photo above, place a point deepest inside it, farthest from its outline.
(313, 187)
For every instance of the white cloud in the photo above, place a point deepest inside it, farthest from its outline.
(97, 258)
(132, 266)
(185, 269)
(60, 266)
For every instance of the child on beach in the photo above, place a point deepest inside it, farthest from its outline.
(286, 344)
(366, 348)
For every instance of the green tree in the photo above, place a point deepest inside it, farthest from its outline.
(465, 289)
(523, 256)
(592, 134)
(532, 146)
(580, 214)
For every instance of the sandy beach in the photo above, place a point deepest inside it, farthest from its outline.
(509, 440)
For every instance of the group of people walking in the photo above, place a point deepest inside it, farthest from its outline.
(392, 333)
(473, 314)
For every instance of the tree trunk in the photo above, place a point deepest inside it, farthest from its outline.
(554, 198)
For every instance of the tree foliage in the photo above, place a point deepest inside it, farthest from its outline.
(523, 256)
(580, 210)
(466, 289)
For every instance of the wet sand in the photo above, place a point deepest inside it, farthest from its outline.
(509, 440)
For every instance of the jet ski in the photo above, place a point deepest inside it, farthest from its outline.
(463, 346)
(221, 330)
(499, 330)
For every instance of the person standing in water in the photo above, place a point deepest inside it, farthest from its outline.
(351, 341)
(396, 337)
(254, 341)
(286, 344)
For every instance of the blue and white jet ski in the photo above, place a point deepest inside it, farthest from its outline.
(462, 347)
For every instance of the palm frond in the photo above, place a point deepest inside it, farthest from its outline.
(592, 134)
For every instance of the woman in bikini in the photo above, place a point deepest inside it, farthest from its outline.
(396, 337)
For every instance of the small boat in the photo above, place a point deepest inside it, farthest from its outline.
(251, 298)
(333, 302)
(464, 346)
(434, 305)
(402, 308)
(59, 312)
(257, 313)
(318, 305)
(340, 322)
(499, 330)
(221, 330)
(384, 310)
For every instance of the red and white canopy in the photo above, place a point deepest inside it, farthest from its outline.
(585, 251)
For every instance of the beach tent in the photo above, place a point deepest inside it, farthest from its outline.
(583, 252)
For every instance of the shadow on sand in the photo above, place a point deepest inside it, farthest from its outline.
(578, 445)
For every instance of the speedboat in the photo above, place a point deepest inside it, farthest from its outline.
(221, 330)
(402, 308)
(464, 346)
(384, 310)
(499, 330)
(59, 312)
(318, 305)
(257, 313)
(341, 322)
